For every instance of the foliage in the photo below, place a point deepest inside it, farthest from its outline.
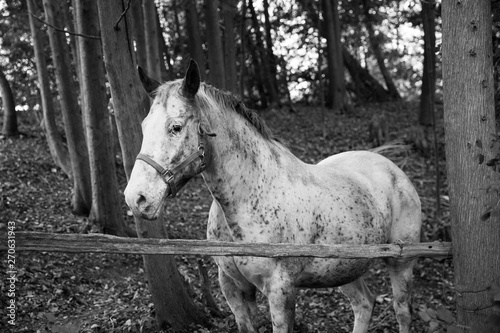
(16, 53)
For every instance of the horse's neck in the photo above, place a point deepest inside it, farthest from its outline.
(240, 158)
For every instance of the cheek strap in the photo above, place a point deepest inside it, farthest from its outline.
(169, 175)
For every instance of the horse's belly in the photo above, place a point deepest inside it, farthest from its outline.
(332, 272)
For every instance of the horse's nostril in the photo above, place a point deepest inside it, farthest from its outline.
(141, 200)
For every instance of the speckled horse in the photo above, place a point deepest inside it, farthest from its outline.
(262, 193)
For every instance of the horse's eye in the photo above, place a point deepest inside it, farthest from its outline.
(176, 128)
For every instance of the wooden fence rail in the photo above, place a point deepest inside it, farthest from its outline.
(98, 243)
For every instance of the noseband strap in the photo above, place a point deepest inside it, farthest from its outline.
(168, 175)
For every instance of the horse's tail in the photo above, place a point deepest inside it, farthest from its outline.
(391, 148)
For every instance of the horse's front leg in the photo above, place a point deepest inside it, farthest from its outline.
(240, 296)
(281, 294)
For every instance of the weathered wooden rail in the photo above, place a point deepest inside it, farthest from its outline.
(98, 243)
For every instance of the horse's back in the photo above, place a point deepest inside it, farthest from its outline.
(387, 183)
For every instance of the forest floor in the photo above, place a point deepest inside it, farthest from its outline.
(58, 292)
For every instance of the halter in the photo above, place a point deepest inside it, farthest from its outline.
(168, 175)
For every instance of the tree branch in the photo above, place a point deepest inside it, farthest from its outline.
(122, 15)
(62, 30)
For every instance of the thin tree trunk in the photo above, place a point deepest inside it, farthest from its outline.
(369, 88)
(243, 33)
(151, 37)
(106, 207)
(138, 33)
(216, 73)
(469, 118)
(377, 51)
(257, 75)
(166, 74)
(9, 127)
(72, 24)
(429, 75)
(194, 37)
(334, 56)
(82, 194)
(271, 58)
(59, 153)
(172, 303)
(229, 12)
(266, 77)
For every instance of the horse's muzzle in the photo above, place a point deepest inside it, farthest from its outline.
(144, 205)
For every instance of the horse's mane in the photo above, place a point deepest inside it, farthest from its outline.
(211, 97)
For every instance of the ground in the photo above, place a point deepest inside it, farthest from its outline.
(58, 292)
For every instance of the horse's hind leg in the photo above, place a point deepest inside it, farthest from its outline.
(362, 303)
(241, 298)
(401, 273)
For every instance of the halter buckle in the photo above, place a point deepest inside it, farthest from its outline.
(169, 174)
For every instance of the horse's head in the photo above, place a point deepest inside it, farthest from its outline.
(173, 147)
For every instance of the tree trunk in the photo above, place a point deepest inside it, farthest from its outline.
(72, 24)
(266, 75)
(377, 51)
(82, 195)
(243, 59)
(271, 58)
(216, 73)
(369, 88)
(9, 127)
(429, 75)
(229, 12)
(59, 153)
(138, 33)
(469, 119)
(151, 37)
(166, 74)
(194, 38)
(106, 207)
(172, 303)
(336, 80)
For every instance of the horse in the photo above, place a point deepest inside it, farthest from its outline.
(262, 193)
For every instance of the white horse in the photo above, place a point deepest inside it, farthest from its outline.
(264, 194)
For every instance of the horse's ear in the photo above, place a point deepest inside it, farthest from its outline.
(148, 83)
(191, 82)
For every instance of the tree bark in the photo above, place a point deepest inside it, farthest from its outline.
(229, 12)
(427, 97)
(271, 58)
(82, 195)
(334, 56)
(138, 33)
(151, 37)
(194, 38)
(172, 303)
(59, 153)
(243, 59)
(469, 118)
(9, 127)
(106, 207)
(216, 73)
(377, 51)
